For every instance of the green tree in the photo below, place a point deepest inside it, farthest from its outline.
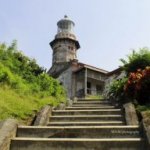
(136, 60)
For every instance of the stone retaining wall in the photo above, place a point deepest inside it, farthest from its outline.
(43, 115)
(130, 114)
(7, 131)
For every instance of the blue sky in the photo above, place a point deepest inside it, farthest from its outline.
(106, 29)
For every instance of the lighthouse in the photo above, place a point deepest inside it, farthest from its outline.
(65, 44)
(79, 79)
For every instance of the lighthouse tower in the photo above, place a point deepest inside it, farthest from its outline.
(64, 45)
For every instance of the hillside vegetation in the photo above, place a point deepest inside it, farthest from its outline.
(24, 85)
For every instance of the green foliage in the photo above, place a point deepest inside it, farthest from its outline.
(138, 85)
(136, 60)
(21, 72)
(25, 77)
(135, 86)
(7, 77)
(20, 105)
(95, 97)
(116, 89)
(143, 107)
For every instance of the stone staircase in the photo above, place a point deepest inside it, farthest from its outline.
(86, 125)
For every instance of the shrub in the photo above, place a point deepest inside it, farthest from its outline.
(136, 60)
(138, 85)
(116, 89)
(135, 86)
(20, 72)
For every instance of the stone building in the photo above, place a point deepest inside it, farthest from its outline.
(78, 78)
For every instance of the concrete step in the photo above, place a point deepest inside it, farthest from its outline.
(90, 108)
(87, 112)
(89, 99)
(92, 102)
(77, 144)
(90, 105)
(79, 132)
(86, 123)
(86, 118)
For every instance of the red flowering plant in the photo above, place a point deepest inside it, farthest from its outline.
(138, 85)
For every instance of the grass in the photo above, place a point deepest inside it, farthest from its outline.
(145, 111)
(146, 117)
(94, 97)
(143, 108)
(14, 104)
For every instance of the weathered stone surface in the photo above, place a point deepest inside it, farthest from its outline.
(91, 108)
(90, 105)
(79, 132)
(130, 114)
(77, 118)
(86, 123)
(1, 124)
(61, 106)
(69, 103)
(146, 127)
(146, 133)
(43, 116)
(87, 112)
(66, 79)
(7, 131)
(75, 99)
(77, 144)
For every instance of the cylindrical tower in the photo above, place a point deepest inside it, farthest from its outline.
(65, 44)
